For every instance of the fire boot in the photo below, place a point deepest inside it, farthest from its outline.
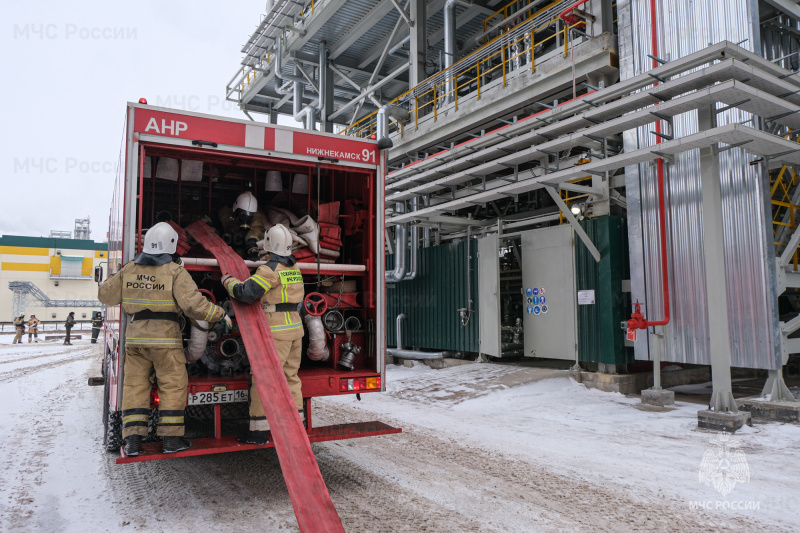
(254, 437)
(176, 444)
(133, 443)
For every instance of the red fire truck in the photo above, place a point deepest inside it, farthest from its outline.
(186, 167)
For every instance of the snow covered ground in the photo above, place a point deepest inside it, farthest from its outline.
(484, 448)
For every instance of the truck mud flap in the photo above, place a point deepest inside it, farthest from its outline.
(312, 504)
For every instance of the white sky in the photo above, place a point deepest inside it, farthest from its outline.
(70, 67)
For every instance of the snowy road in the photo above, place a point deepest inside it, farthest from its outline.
(484, 448)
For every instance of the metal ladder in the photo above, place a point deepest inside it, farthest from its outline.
(23, 289)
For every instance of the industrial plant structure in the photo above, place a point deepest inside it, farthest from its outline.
(605, 182)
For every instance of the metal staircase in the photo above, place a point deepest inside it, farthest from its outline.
(25, 292)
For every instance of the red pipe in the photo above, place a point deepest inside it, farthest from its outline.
(568, 17)
(638, 321)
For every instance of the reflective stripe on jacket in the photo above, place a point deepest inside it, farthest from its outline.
(274, 283)
(166, 288)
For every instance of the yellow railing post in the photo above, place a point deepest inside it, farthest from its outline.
(792, 226)
(455, 89)
(479, 78)
(533, 53)
(416, 111)
(503, 60)
(435, 102)
(565, 40)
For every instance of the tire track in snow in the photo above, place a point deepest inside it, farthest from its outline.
(17, 373)
(508, 494)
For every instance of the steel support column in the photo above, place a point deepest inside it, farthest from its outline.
(716, 286)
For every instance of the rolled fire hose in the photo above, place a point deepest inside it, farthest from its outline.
(199, 335)
(197, 341)
(317, 347)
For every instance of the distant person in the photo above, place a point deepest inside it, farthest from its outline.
(97, 324)
(154, 289)
(33, 328)
(68, 325)
(19, 325)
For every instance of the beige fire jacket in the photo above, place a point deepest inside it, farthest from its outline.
(166, 288)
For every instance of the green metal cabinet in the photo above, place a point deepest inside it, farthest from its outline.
(600, 337)
(431, 301)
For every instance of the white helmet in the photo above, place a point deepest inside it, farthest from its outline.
(247, 203)
(160, 239)
(278, 240)
(244, 209)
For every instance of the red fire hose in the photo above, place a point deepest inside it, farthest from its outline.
(312, 503)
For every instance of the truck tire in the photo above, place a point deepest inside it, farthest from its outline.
(112, 420)
(152, 427)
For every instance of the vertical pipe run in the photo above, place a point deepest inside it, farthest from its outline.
(414, 244)
(400, 240)
(297, 97)
(399, 330)
(449, 47)
(322, 102)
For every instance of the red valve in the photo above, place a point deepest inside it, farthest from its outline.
(315, 304)
(637, 320)
(209, 295)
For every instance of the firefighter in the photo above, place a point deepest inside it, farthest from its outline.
(154, 290)
(279, 287)
(68, 323)
(243, 225)
(33, 328)
(97, 324)
(19, 326)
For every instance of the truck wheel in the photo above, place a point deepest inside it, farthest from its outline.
(113, 432)
(112, 421)
(152, 427)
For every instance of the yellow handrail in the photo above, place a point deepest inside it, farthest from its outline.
(434, 94)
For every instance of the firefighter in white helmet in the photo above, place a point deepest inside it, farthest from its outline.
(243, 225)
(154, 289)
(279, 287)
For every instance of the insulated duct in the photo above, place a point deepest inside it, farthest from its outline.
(323, 82)
(414, 244)
(280, 79)
(401, 233)
(449, 46)
(401, 353)
(384, 114)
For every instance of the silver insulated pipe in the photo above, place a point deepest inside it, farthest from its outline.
(450, 46)
(401, 237)
(414, 245)
(402, 353)
(384, 114)
(323, 67)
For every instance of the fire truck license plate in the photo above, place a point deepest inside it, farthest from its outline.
(228, 396)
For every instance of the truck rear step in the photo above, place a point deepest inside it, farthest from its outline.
(152, 451)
